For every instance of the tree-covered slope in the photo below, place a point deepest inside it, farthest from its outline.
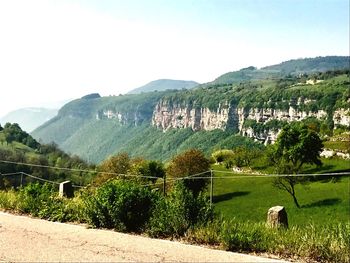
(99, 139)
(292, 67)
(164, 84)
(311, 65)
(17, 147)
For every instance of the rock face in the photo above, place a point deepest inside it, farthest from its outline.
(135, 117)
(341, 117)
(265, 115)
(168, 115)
(277, 217)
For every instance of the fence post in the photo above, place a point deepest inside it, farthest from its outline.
(164, 185)
(66, 189)
(21, 179)
(211, 187)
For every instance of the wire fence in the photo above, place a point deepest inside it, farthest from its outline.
(158, 182)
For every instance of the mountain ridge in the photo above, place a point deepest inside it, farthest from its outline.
(164, 84)
(157, 125)
(29, 118)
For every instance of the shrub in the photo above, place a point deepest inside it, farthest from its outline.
(222, 155)
(43, 201)
(35, 197)
(121, 205)
(181, 210)
(63, 209)
(8, 200)
(237, 236)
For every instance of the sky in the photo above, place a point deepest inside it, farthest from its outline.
(54, 51)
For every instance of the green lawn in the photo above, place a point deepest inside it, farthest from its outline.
(321, 201)
(337, 145)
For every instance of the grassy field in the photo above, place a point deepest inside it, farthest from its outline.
(322, 201)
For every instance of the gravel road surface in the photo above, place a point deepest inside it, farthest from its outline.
(35, 240)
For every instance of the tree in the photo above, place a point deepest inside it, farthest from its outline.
(190, 163)
(243, 156)
(222, 155)
(142, 167)
(295, 146)
(113, 167)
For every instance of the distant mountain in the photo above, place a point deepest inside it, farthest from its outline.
(29, 118)
(292, 67)
(310, 65)
(164, 84)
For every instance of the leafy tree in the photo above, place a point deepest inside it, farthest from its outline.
(222, 155)
(295, 146)
(142, 167)
(113, 167)
(190, 163)
(243, 156)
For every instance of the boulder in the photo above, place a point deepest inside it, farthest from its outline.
(277, 217)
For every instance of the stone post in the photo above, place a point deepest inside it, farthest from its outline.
(66, 189)
(277, 216)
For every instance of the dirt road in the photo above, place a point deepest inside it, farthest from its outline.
(32, 240)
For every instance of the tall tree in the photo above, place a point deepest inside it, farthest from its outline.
(113, 167)
(190, 163)
(142, 167)
(295, 146)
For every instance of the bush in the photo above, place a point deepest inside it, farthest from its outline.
(222, 155)
(63, 209)
(121, 205)
(181, 210)
(35, 197)
(8, 200)
(245, 237)
(43, 201)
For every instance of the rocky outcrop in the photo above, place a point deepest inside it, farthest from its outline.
(263, 115)
(167, 115)
(134, 118)
(341, 117)
(266, 136)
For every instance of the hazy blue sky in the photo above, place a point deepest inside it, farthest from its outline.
(56, 50)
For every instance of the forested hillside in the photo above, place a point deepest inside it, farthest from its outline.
(18, 147)
(158, 125)
(293, 67)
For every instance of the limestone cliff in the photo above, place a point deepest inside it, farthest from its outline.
(134, 117)
(167, 115)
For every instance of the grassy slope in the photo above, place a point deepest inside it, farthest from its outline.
(322, 201)
(16, 146)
